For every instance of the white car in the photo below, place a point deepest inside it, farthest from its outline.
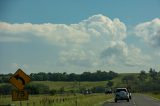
(122, 94)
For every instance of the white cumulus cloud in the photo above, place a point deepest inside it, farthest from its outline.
(92, 42)
(149, 32)
(97, 25)
(77, 57)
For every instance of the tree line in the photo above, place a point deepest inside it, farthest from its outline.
(85, 76)
(143, 82)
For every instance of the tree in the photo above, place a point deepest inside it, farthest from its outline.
(110, 84)
(128, 79)
(73, 77)
(153, 74)
(61, 90)
(53, 92)
(85, 76)
(142, 76)
(112, 75)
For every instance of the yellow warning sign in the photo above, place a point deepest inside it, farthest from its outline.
(19, 95)
(20, 79)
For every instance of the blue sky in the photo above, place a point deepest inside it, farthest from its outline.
(71, 11)
(76, 36)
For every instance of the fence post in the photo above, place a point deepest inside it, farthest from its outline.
(27, 103)
(33, 103)
(20, 103)
(76, 102)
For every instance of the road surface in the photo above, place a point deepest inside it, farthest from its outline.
(137, 100)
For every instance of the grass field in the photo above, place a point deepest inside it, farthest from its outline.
(154, 95)
(59, 100)
(65, 100)
(62, 100)
(117, 80)
(70, 85)
(86, 84)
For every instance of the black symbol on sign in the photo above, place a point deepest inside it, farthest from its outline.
(22, 93)
(20, 78)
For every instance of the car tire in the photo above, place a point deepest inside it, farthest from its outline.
(127, 100)
(130, 97)
(115, 100)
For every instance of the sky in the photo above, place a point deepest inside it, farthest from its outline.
(74, 36)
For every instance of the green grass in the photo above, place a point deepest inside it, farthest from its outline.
(85, 84)
(118, 80)
(69, 100)
(70, 85)
(154, 95)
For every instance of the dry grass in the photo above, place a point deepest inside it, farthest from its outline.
(59, 100)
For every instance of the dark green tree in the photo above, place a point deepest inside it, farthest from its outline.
(110, 84)
(142, 76)
(153, 74)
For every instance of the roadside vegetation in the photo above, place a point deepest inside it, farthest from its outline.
(154, 95)
(59, 100)
(142, 82)
(97, 82)
(86, 86)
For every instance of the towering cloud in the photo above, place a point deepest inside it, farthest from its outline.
(95, 26)
(149, 32)
(93, 42)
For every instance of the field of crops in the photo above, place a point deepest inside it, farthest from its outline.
(59, 100)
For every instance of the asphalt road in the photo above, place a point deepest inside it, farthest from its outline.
(137, 100)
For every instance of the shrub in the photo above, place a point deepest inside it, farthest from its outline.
(53, 92)
(5, 89)
(37, 89)
(98, 89)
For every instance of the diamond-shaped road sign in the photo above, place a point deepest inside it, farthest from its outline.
(20, 79)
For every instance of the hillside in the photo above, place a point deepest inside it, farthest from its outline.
(70, 85)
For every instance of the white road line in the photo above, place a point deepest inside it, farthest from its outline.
(110, 100)
(134, 102)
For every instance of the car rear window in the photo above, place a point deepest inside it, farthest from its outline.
(118, 90)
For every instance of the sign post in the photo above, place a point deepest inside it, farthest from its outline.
(19, 79)
(19, 95)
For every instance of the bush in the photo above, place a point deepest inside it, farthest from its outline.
(98, 89)
(61, 90)
(5, 89)
(53, 92)
(37, 89)
(156, 92)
